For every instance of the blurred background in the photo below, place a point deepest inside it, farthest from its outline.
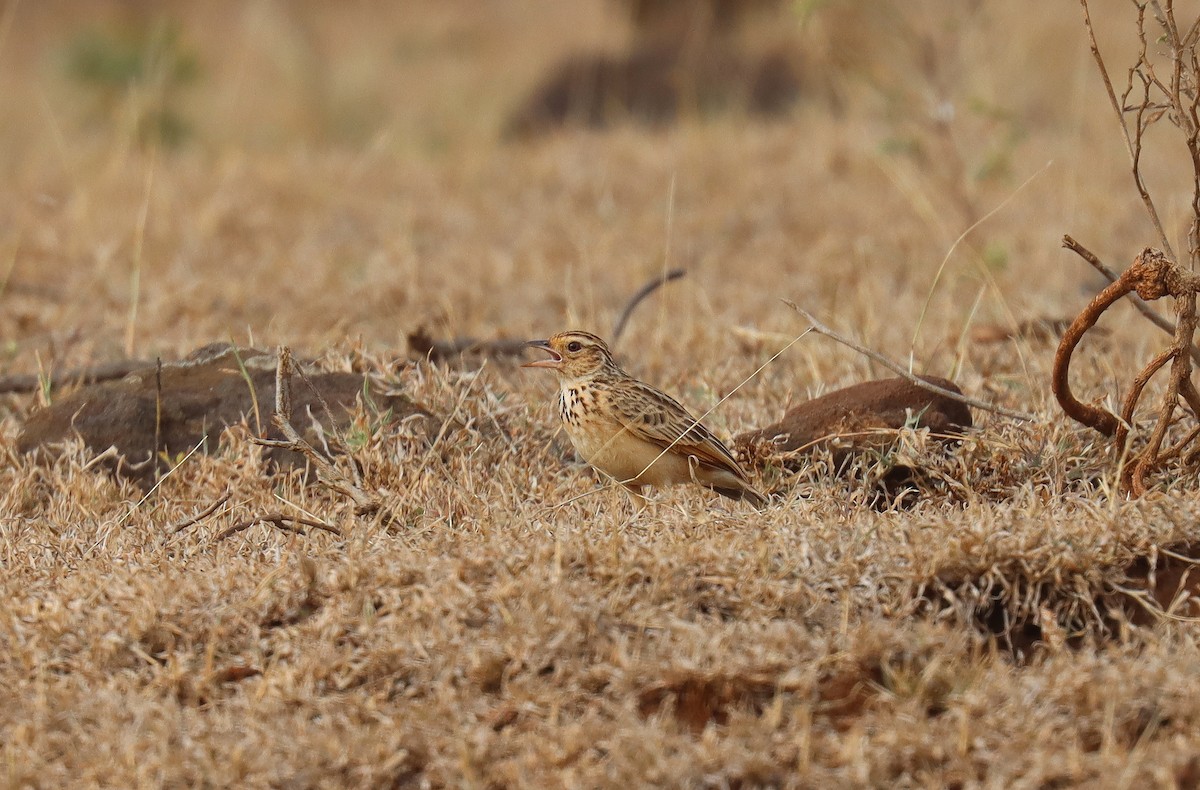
(307, 172)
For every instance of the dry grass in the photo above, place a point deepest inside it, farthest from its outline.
(508, 630)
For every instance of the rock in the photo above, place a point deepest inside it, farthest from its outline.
(200, 396)
(655, 84)
(859, 418)
(886, 403)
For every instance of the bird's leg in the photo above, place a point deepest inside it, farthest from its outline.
(637, 497)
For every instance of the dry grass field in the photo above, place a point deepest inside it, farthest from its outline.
(334, 177)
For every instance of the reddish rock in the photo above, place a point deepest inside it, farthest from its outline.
(886, 403)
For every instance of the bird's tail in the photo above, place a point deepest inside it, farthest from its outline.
(744, 493)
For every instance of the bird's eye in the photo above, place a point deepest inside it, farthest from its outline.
(574, 346)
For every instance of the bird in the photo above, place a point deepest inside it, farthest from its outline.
(631, 431)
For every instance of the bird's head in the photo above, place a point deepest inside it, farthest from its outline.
(574, 355)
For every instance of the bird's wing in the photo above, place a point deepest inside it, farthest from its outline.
(659, 419)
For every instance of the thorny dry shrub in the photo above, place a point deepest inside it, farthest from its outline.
(1163, 84)
(517, 625)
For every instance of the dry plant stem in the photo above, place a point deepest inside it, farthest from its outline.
(1188, 390)
(327, 473)
(1179, 447)
(1135, 393)
(1152, 275)
(643, 292)
(1163, 83)
(1181, 370)
(903, 373)
(445, 349)
(1100, 419)
(157, 409)
(1133, 143)
(203, 514)
(1138, 303)
(279, 520)
(1180, 94)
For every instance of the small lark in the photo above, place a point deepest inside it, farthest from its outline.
(632, 431)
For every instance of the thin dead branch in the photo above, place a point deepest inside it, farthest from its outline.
(1138, 303)
(1135, 393)
(327, 472)
(1100, 419)
(1151, 276)
(422, 343)
(203, 514)
(643, 292)
(1163, 83)
(158, 410)
(426, 346)
(1181, 371)
(899, 370)
(280, 521)
(1133, 141)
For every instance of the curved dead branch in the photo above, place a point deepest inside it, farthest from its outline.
(1139, 304)
(643, 292)
(1101, 420)
(1135, 394)
(1151, 276)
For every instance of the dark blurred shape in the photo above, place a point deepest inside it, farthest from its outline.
(681, 18)
(422, 343)
(685, 59)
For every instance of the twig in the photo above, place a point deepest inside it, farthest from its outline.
(157, 409)
(1139, 304)
(1152, 275)
(327, 473)
(169, 472)
(1129, 405)
(424, 345)
(1134, 147)
(902, 372)
(1151, 95)
(279, 520)
(283, 384)
(643, 292)
(1181, 371)
(1094, 417)
(203, 514)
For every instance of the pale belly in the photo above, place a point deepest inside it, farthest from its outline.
(630, 460)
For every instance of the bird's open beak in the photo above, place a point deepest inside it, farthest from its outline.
(553, 362)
